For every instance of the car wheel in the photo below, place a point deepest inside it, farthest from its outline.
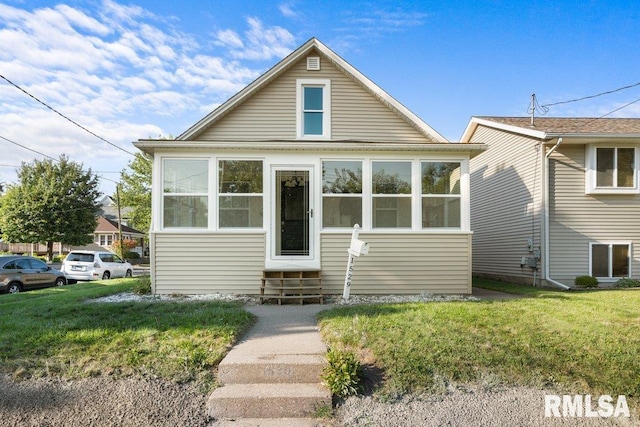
(129, 273)
(61, 281)
(106, 275)
(14, 288)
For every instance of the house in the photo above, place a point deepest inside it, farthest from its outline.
(107, 233)
(276, 178)
(109, 210)
(555, 198)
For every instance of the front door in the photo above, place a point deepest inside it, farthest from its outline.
(292, 217)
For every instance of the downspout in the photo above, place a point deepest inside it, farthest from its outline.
(546, 218)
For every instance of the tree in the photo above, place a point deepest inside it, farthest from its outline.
(53, 202)
(135, 191)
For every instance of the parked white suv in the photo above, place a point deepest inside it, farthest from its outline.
(94, 265)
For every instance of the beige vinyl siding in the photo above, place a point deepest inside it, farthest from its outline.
(271, 113)
(399, 264)
(208, 262)
(575, 218)
(505, 204)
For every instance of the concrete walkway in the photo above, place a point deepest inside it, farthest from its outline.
(487, 294)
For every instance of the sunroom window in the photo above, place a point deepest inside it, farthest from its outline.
(610, 260)
(185, 191)
(240, 193)
(341, 193)
(391, 194)
(611, 170)
(440, 194)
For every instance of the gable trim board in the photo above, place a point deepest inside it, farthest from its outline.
(226, 205)
(563, 219)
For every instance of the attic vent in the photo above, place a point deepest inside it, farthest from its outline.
(313, 63)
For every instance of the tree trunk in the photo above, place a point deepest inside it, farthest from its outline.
(50, 250)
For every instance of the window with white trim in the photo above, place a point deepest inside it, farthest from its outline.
(440, 194)
(609, 260)
(612, 170)
(240, 193)
(185, 186)
(341, 193)
(391, 194)
(313, 108)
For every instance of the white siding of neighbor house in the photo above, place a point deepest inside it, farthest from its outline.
(202, 263)
(399, 264)
(270, 114)
(506, 181)
(233, 263)
(577, 218)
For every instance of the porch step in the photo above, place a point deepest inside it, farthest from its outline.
(271, 368)
(291, 400)
(291, 285)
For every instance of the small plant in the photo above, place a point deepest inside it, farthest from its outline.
(627, 283)
(586, 282)
(143, 286)
(343, 373)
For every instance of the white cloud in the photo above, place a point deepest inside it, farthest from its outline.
(287, 10)
(261, 43)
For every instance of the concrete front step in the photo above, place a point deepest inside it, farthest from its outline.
(271, 368)
(273, 422)
(291, 400)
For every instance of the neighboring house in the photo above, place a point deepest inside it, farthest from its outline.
(107, 233)
(109, 210)
(276, 177)
(555, 199)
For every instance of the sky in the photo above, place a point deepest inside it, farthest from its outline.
(126, 70)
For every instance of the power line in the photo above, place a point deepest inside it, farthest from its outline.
(65, 117)
(591, 96)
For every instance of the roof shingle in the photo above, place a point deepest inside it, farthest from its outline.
(572, 125)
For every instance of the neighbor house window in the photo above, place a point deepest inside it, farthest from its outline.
(341, 193)
(313, 108)
(185, 188)
(240, 193)
(391, 194)
(611, 170)
(440, 194)
(610, 260)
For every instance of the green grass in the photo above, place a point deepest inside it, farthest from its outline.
(57, 332)
(578, 342)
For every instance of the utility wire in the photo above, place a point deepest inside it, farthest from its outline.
(591, 96)
(65, 117)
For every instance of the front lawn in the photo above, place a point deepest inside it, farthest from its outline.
(56, 331)
(579, 342)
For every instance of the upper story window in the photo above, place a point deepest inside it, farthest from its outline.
(313, 108)
(611, 170)
(185, 190)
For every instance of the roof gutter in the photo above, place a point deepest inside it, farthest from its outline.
(546, 218)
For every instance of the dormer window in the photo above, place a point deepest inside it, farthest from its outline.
(313, 108)
(612, 170)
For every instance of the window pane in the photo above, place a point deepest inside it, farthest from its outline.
(342, 177)
(185, 211)
(313, 123)
(313, 98)
(391, 178)
(341, 211)
(440, 212)
(604, 158)
(600, 260)
(241, 212)
(440, 178)
(620, 261)
(626, 167)
(240, 176)
(391, 212)
(186, 176)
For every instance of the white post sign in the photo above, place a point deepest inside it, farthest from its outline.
(356, 248)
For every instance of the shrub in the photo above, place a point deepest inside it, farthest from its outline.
(132, 255)
(627, 283)
(586, 282)
(143, 286)
(342, 374)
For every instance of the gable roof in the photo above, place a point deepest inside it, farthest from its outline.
(106, 225)
(291, 60)
(553, 127)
